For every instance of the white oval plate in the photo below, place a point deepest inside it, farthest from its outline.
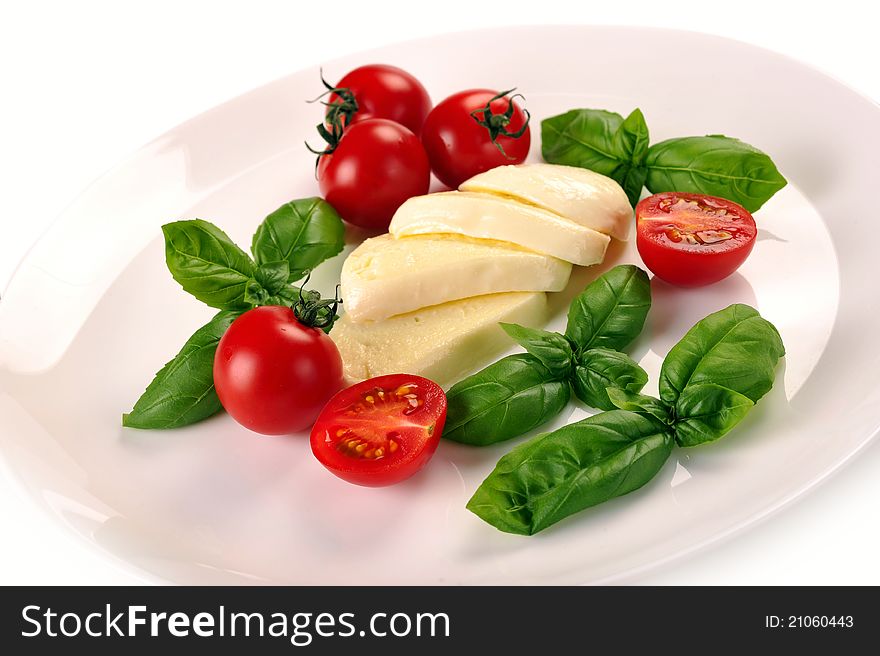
(80, 336)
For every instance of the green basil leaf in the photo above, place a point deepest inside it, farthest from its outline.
(552, 349)
(273, 276)
(600, 368)
(632, 137)
(255, 294)
(611, 311)
(207, 264)
(577, 466)
(641, 403)
(734, 348)
(303, 232)
(706, 412)
(504, 400)
(715, 165)
(183, 391)
(585, 138)
(601, 141)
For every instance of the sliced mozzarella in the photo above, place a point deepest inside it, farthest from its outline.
(489, 216)
(385, 276)
(442, 342)
(586, 197)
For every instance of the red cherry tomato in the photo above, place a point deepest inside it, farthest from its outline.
(459, 147)
(272, 373)
(380, 431)
(692, 239)
(383, 91)
(376, 166)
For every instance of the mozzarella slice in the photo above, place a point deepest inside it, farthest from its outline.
(442, 342)
(385, 276)
(489, 216)
(586, 197)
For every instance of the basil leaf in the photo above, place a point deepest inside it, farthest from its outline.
(599, 369)
(273, 276)
(715, 165)
(207, 264)
(303, 232)
(601, 141)
(611, 311)
(183, 391)
(577, 466)
(641, 403)
(506, 399)
(584, 138)
(706, 412)
(735, 348)
(632, 137)
(552, 349)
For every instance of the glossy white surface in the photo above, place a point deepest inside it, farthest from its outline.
(792, 381)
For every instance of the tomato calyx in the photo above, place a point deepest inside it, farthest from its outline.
(312, 310)
(339, 114)
(497, 124)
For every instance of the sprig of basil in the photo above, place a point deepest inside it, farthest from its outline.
(207, 264)
(580, 465)
(303, 233)
(599, 369)
(715, 165)
(709, 382)
(506, 399)
(183, 391)
(204, 260)
(521, 392)
(601, 141)
(611, 311)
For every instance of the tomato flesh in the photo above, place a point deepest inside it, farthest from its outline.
(691, 239)
(459, 147)
(273, 374)
(380, 431)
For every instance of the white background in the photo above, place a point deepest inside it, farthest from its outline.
(84, 84)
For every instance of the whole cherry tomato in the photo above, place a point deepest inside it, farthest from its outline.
(474, 131)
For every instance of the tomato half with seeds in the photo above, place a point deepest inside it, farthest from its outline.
(691, 239)
(380, 431)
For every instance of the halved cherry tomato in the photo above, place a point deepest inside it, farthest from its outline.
(692, 239)
(382, 91)
(462, 137)
(380, 431)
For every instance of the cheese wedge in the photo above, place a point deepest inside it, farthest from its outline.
(442, 342)
(385, 276)
(583, 196)
(489, 216)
